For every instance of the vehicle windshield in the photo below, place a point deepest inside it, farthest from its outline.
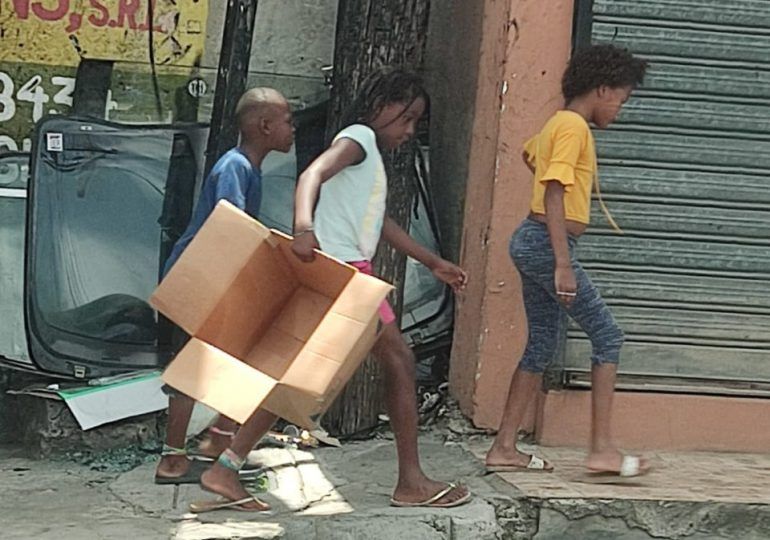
(107, 204)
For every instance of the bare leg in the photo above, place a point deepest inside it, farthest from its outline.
(521, 396)
(528, 422)
(398, 365)
(179, 411)
(603, 389)
(603, 455)
(224, 481)
(217, 440)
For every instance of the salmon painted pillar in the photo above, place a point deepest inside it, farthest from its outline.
(525, 46)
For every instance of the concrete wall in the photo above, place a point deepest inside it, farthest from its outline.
(651, 421)
(524, 50)
(293, 39)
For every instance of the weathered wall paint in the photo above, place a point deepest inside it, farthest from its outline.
(59, 33)
(42, 43)
(525, 49)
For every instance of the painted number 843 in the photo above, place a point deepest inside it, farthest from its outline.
(33, 92)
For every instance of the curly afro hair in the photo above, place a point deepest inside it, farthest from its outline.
(601, 65)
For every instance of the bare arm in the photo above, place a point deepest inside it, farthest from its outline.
(564, 277)
(444, 270)
(525, 157)
(341, 154)
(398, 238)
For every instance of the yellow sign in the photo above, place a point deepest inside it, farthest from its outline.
(60, 32)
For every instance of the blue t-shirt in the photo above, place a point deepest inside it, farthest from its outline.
(233, 179)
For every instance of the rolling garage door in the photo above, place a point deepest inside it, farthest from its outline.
(686, 173)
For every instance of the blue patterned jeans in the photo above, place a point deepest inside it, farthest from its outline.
(532, 254)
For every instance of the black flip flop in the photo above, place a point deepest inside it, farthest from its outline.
(192, 476)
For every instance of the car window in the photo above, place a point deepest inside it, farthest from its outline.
(14, 174)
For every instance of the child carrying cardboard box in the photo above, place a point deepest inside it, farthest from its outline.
(347, 223)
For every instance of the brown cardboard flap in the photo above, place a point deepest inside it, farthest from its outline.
(336, 336)
(295, 406)
(218, 380)
(254, 299)
(300, 316)
(361, 293)
(268, 330)
(209, 265)
(311, 373)
(325, 275)
(275, 351)
(353, 360)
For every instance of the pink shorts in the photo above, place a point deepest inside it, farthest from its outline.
(387, 314)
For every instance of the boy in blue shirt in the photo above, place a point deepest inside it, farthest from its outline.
(265, 124)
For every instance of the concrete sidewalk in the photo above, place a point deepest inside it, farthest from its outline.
(343, 494)
(692, 495)
(331, 493)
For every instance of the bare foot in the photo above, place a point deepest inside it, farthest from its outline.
(225, 482)
(213, 445)
(172, 466)
(611, 461)
(427, 488)
(510, 457)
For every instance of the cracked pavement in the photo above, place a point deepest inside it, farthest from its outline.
(331, 493)
(343, 493)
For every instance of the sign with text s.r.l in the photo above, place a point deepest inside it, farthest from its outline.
(60, 32)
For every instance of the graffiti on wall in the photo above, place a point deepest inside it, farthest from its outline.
(44, 40)
(60, 32)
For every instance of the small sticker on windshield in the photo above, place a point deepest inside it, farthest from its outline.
(54, 142)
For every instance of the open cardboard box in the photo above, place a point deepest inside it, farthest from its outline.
(267, 329)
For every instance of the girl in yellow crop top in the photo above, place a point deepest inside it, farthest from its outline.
(596, 84)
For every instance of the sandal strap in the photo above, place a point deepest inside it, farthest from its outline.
(230, 460)
(536, 463)
(630, 466)
(441, 494)
(172, 451)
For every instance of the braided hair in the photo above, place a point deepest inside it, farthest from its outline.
(601, 65)
(381, 88)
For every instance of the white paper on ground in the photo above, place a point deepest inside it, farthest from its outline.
(98, 405)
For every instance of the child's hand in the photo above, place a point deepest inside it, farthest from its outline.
(566, 286)
(304, 245)
(451, 274)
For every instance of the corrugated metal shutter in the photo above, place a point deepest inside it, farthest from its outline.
(686, 173)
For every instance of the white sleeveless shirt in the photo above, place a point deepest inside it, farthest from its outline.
(351, 207)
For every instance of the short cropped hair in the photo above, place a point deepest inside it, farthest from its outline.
(254, 100)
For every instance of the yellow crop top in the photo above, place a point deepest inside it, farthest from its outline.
(564, 151)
